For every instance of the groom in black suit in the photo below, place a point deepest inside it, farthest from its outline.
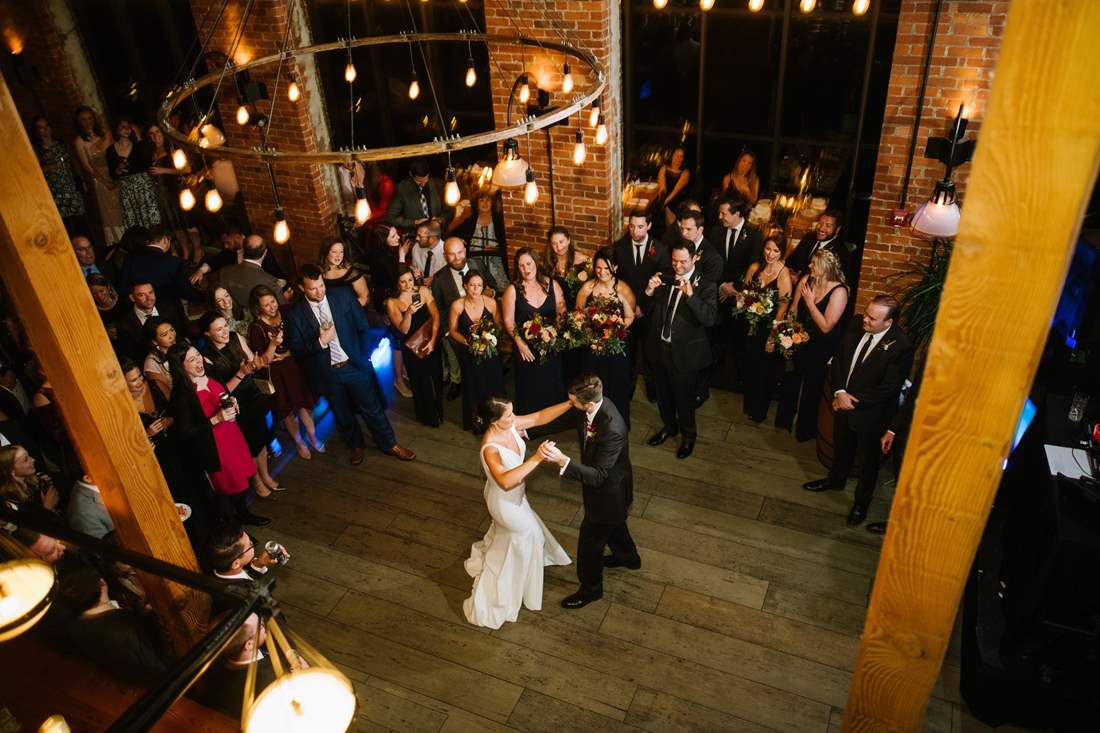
(608, 488)
(867, 373)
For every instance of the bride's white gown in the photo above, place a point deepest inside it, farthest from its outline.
(507, 563)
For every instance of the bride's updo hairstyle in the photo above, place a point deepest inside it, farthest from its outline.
(491, 410)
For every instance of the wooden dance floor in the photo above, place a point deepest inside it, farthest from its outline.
(745, 615)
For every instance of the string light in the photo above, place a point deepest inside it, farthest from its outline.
(349, 71)
(524, 90)
(451, 192)
(807, 6)
(362, 206)
(859, 7)
(293, 92)
(179, 159)
(414, 87)
(243, 115)
(471, 74)
(567, 80)
(187, 199)
(706, 4)
(579, 151)
(660, 4)
(213, 199)
(282, 230)
(756, 5)
(601, 132)
(531, 190)
(594, 115)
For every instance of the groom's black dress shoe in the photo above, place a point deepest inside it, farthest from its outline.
(857, 515)
(824, 484)
(610, 561)
(662, 435)
(876, 527)
(578, 600)
(685, 449)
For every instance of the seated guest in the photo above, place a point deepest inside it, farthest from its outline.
(339, 272)
(481, 226)
(414, 314)
(418, 198)
(211, 436)
(131, 334)
(222, 687)
(239, 279)
(86, 512)
(155, 265)
(427, 255)
(231, 362)
(293, 401)
(447, 287)
(769, 273)
(236, 316)
(871, 364)
(126, 643)
(825, 236)
(479, 379)
(672, 184)
(819, 302)
(743, 181)
(107, 303)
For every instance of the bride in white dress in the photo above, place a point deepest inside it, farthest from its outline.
(507, 564)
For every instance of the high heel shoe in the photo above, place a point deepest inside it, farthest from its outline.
(317, 445)
(303, 452)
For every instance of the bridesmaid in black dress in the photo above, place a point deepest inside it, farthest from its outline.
(819, 303)
(338, 272)
(409, 311)
(608, 293)
(772, 274)
(479, 379)
(566, 266)
(537, 385)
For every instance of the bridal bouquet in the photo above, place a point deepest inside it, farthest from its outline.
(578, 275)
(573, 330)
(607, 327)
(541, 337)
(483, 341)
(789, 337)
(755, 305)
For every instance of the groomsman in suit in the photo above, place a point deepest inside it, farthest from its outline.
(446, 289)
(130, 325)
(867, 372)
(418, 198)
(329, 335)
(708, 261)
(826, 235)
(637, 257)
(607, 481)
(683, 305)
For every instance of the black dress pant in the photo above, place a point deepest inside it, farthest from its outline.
(639, 332)
(594, 536)
(848, 444)
(675, 393)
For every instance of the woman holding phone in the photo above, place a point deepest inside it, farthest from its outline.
(414, 315)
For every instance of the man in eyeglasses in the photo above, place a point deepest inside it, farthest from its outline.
(233, 556)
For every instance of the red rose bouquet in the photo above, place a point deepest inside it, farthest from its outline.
(540, 337)
(755, 304)
(607, 327)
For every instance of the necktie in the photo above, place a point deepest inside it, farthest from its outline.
(729, 234)
(323, 314)
(638, 248)
(428, 264)
(424, 204)
(666, 328)
(867, 340)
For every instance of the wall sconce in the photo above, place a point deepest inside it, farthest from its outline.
(938, 218)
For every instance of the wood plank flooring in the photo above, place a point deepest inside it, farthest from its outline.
(744, 617)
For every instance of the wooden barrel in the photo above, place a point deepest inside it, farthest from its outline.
(825, 426)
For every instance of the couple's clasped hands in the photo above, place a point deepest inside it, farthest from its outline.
(549, 452)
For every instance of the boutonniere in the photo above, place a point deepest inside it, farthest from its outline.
(652, 251)
(886, 346)
(695, 282)
(589, 430)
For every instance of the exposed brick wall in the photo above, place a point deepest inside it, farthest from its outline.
(968, 40)
(588, 199)
(308, 201)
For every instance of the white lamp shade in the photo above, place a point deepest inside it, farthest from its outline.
(511, 173)
(937, 220)
(316, 700)
(25, 593)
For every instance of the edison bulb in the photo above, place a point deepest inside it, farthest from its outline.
(756, 5)
(706, 4)
(859, 7)
(282, 231)
(601, 133)
(524, 92)
(293, 92)
(660, 4)
(362, 210)
(350, 73)
(179, 159)
(531, 192)
(213, 200)
(451, 194)
(807, 6)
(242, 115)
(414, 89)
(471, 76)
(567, 80)
(594, 116)
(579, 152)
(187, 199)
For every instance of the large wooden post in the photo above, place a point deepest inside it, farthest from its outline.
(56, 309)
(1035, 167)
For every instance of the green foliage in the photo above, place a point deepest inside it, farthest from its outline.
(921, 288)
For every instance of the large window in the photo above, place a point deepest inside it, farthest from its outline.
(788, 86)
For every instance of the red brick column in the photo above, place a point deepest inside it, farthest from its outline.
(968, 40)
(307, 196)
(588, 198)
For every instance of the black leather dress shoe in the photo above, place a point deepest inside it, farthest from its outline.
(876, 527)
(662, 435)
(700, 399)
(454, 391)
(857, 515)
(610, 561)
(578, 600)
(685, 449)
(822, 484)
(253, 519)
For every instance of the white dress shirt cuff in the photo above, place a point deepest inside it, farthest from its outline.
(564, 466)
(836, 392)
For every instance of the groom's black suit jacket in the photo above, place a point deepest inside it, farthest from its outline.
(604, 466)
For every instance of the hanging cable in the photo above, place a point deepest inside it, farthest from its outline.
(278, 74)
(228, 60)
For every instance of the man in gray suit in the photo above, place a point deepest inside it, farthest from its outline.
(418, 198)
(86, 512)
(239, 279)
(446, 289)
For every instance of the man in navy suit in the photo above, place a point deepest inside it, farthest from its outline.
(329, 335)
(154, 264)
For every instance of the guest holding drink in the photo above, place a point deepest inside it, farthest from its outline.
(533, 293)
(388, 252)
(769, 274)
(415, 316)
(607, 296)
(482, 376)
(819, 302)
(292, 402)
